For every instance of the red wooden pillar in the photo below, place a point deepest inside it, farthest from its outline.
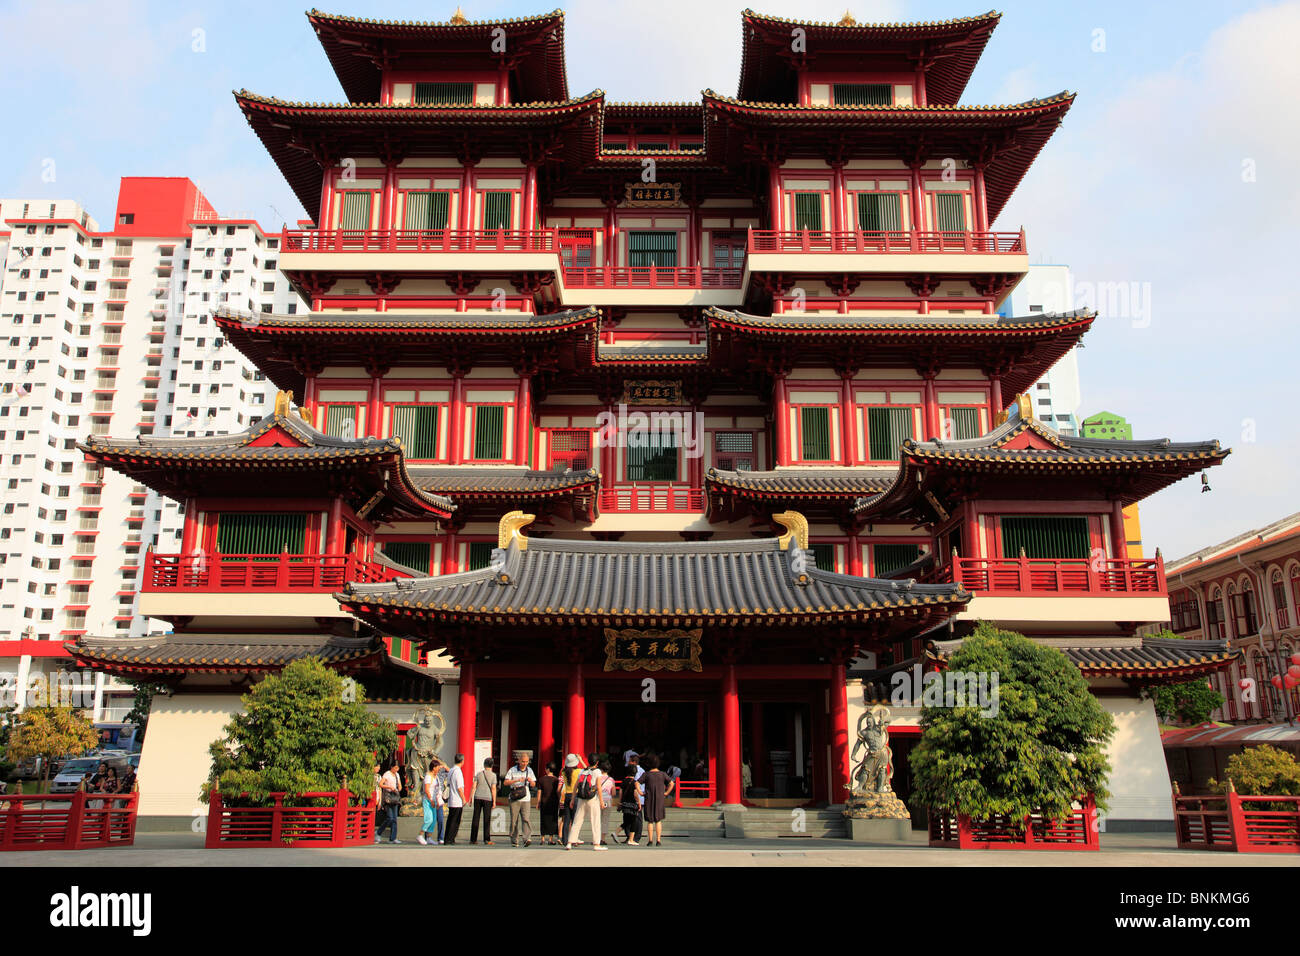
(839, 734)
(1118, 537)
(449, 563)
(309, 395)
(918, 217)
(326, 194)
(190, 533)
(837, 197)
(546, 735)
(457, 439)
(530, 197)
(610, 230)
(466, 197)
(575, 722)
(467, 714)
(334, 536)
(855, 555)
(995, 397)
(373, 414)
(970, 532)
(524, 420)
(757, 745)
(731, 759)
(781, 421)
(388, 205)
(849, 438)
(931, 419)
(981, 200)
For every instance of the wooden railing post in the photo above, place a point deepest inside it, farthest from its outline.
(277, 820)
(340, 830)
(76, 815)
(1237, 834)
(213, 836)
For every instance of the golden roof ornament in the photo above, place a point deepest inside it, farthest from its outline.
(509, 528)
(796, 526)
(283, 401)
(847, 20)
(1023, 404)
(458, 18)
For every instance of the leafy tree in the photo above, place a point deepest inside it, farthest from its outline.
(1042, 748)
(1190, 703)
(1262, 771)
(302, 730)
(50, 733)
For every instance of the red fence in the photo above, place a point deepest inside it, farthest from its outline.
(651, 277)
(1237, 824)
(420, 240)
(652, 499)
(1077, 831)
(899, 241)
(1054, 576)
(277, 825)
(258, 572)
(706, 791)
(76, 821)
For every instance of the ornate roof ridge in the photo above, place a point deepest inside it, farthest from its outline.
(367, 21)
(991, 16)
(916, 322)
(1065, 96)
(596, 95)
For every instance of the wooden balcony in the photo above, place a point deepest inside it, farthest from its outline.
(895, 242)
(208, 573)
(419, 240)
(651, 277)
(1046, 576)
(652, 499)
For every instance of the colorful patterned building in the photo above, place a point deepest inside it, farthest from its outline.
(665, 425)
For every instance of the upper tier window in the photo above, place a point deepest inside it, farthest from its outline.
(443, 93)
(1063, 537)
(645, 249)
(426, 210)
(863, 94)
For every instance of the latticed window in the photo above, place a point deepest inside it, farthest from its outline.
(412, 554)
(887, 427)
(426, 210)
(808, 211)
(879, 212)
(652, 458)
(734, 451)
(356, 211)
(815, 434)
(263, 533)
(888, 558)
(341, 421)
(1055, 537)
(657, 249)
(1244, 607)
(489, 432)
(863, 94)
(443, 94)
(417, 427)
(570, 448)
(480, 554)
(496, 210)
(950, 211)
(963, 423)
(824, 556)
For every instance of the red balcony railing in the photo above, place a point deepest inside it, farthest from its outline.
(258, 572)
(885, 243)
(76, 821)
(336, 825)
(1054, 576)
(420, 240)
(651, 277)
(652, 499)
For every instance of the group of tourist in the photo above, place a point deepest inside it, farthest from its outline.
(566, 798)
(107, 780)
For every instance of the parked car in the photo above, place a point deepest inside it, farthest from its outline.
(72, 773)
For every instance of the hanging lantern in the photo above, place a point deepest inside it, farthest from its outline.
(1294, 670)
(1295, 658)
(1290, 681)
(1276, 682)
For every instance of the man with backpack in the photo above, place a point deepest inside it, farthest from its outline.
(586, 801)
(520, 781)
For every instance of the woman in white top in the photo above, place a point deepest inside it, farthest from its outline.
(390, 787)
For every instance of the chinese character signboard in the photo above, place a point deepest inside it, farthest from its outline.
(652, 393)
(653, 650)
(652, 194)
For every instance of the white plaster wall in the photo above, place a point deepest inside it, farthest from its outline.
(1139, 779)
(174, 762)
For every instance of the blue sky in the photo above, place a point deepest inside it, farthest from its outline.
(1171, 179)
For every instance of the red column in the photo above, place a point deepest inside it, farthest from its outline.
(731, 788)
(995, 397)
(855, 555)
(190, 533)
(931, 418)
(849, 439)
(918, 219)
(546, 734)
(758, 746)
(457, 440)
(1118, 538)
(575, 721)
(334, 536)
(523, 421)
(309, 395)
(610, 230)
(781, 420)
(388, 206)
(449, 553)
(839, 734)
(530, 196)
(373, 414)
(466, 197)
(970, 533)
(467, 717)
(981, 201)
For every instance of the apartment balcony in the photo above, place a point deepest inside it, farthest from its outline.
(896, 251)
(419, 250)
(653, 285)
(1048, 591)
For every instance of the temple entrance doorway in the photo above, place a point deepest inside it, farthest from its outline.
(777, 746)
(676, 731)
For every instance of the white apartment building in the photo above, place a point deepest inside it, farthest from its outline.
(1056, 396)
(109, 332)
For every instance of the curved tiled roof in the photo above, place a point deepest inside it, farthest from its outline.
(682, 582)
(352, 111)
(1151, 658)
(845, 481)
(900, 325)
(641, 352)
(174, 654)
(500, 482)
(429, 322)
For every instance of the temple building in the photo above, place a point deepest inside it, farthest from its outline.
(675, 426)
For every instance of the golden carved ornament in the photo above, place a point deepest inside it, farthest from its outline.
(510, 527)
(796, 526)
(283, 401)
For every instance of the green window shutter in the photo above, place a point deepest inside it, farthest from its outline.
(950, 209)
(863, 94)
(480, 554)
(489, 432)
(412, 554)
(824, 556)
(646, 249)
(815, 434)
(496, 210)
(886, 429)
(341, 421)
(426, 210)
(879, 212)
(652, 459)
(444, 94)
(1065, 537)
(267, 533)
(417, 427)
(356, 211)
(888, 558)
(965, 423)
(808, 211)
